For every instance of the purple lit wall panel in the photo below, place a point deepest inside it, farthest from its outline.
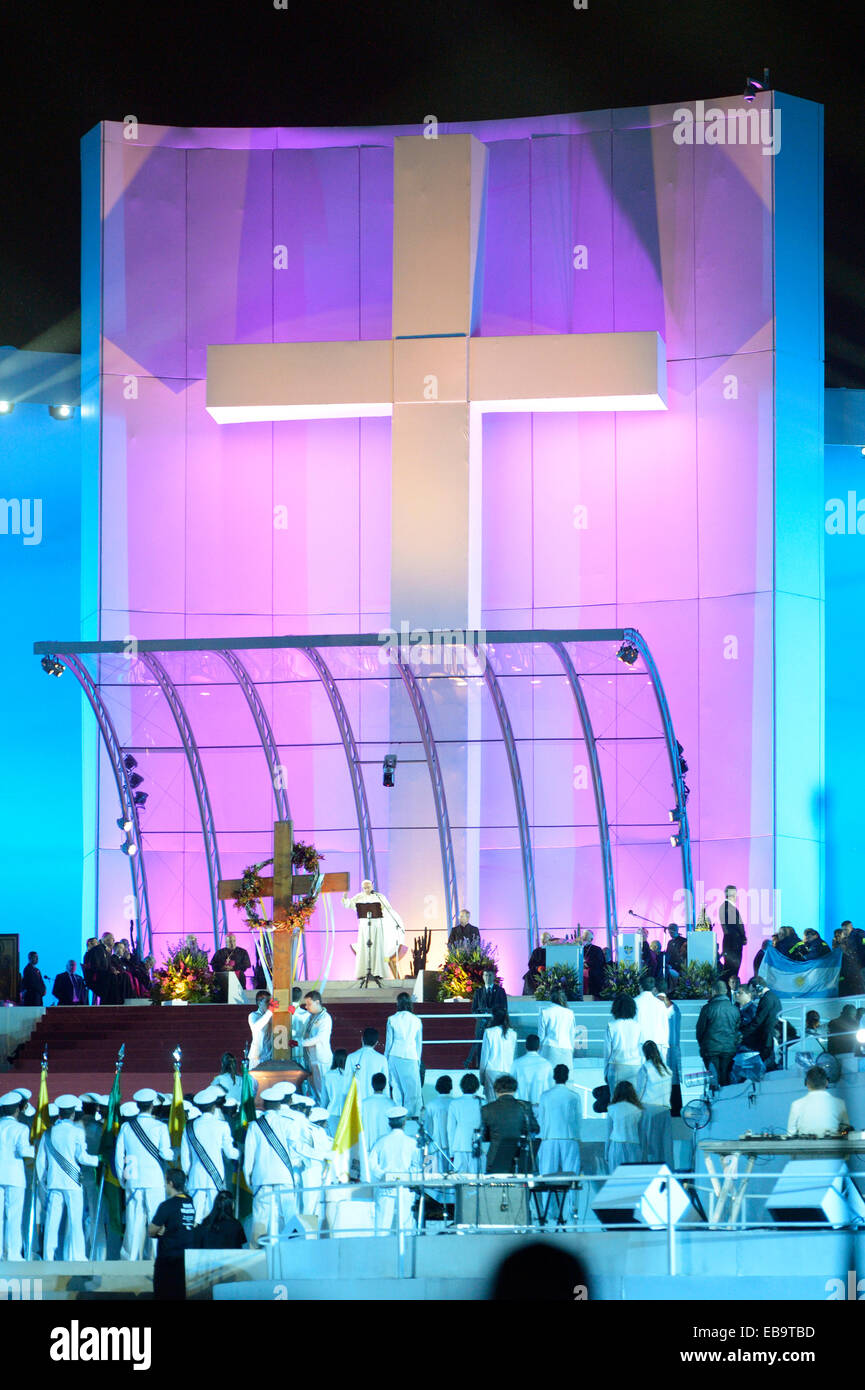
(144, 261)
(237, 781)
(316, 297)
(571, 205)
(374, 563)
(316, 478)
(574, 509)
(507, 297)
(376, 241)
(229, 241)
(507, 493)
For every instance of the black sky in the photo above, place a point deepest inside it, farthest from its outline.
(241, 62)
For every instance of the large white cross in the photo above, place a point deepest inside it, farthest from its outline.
(436, 380)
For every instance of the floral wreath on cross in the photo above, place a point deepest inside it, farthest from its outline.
(249, 897)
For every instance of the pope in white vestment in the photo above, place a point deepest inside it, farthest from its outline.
(379, 940)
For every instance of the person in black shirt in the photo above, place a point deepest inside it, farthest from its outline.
(32, 983)
(172, 1223)
(220, 1229)
(465, 935)
(733, 929)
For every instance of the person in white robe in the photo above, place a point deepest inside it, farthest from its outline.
(403, 1044)
(624, 1119)
(560, 1114)
(15, 1146)
(373, 1111)
(497, 1052)
(205, 1146)
(623, 1041)
(435, 1121)
(395, 1156)
(60, 1157)
(464, 1126)
(366, 1062)
(261, 1028)
(653, 1018)
(557, 1030)
(533, 1072)
(336, 1084)
(380, 940)
(654, 1086)
(143, 1147)
(267, 1167)
(315, 1044)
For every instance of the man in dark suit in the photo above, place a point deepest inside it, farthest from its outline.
(485, 1000)
(595, 965)
(758, 1034)
(32, 983)
(733, 928)
(70, 987)
(508, 1125)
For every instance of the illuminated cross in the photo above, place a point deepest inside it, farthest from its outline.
(436, 380)
(283, 887)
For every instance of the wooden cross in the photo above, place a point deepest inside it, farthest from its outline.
(283, 887)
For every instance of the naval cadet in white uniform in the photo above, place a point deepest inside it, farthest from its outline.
(269, 1169)
(143, 1148)
(395, 1156)
(62, 1154)
(15, 1146)
(205, 1146)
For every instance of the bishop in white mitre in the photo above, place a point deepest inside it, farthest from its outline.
(379, 939)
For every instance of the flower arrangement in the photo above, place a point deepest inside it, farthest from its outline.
(463, 970)
(297, 915)
(621, 979)
(695, 981)
(559, 977)
(185, 976)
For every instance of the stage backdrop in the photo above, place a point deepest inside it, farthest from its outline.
(701, 524)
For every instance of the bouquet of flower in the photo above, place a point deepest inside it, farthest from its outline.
(695, 981)
(559, 977)
(621, 979)
(186, 975)
(463, 971)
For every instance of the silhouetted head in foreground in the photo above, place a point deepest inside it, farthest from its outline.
(541, 1272)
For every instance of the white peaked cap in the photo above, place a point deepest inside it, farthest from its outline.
(317, 1114)
(230, 1103)
(52, 1111)
(285, 1088)
(66, 1102)
(303, 1100)
(192, 1111)
(29, 1111)
(23, 1092)
(129, 1110)
(103, 1100)
(208, 1095)
(397, 1112)
(272, 1093)
(11, 1098)
(145, 1095)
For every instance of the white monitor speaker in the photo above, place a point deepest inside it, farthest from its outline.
(643, 1194)
(817, 1191)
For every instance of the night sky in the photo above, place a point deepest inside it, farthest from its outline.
(242, 62)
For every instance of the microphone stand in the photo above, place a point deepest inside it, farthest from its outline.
(477, 1137)
(364, 984)
(650, 920)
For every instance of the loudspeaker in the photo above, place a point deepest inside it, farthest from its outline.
(817, 1191)
(299, 1225)
(637, 1194)
(493, 1204)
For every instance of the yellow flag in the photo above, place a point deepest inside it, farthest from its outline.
(177, 1114)
(349, 1142)
(40, 1119)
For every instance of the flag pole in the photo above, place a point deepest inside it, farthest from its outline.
(43, 1083)
(241, 1127)
(118, 1067)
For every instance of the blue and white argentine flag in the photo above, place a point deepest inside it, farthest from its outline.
(792, 979)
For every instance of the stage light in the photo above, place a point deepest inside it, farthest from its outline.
(129, 847)
(388, 769)
(129, 762)
(61, 412)
(676, 841)
(125, 825)
(51, 666)
(675, 814)
(140, 798)
(860, 1035)
(135, 780)
(752, 86)
(627, 653)
(6, 408)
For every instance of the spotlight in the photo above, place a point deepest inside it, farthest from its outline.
(140, 798)
(675, 814)
(860, 1035)
(129, 847)
(627, 653)
(6, 408)
(61, 412)
(135, 780)
(125, 825)
(129, 762)
(676, 841)
(752, 86)
(388, 769)
(51, 666)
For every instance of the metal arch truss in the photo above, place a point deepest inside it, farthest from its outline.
(125, 792)
(526, 851)
(446, 845)
(635, 637)
(199, 782)
(264, 730)
(355, 772)
(597, 784)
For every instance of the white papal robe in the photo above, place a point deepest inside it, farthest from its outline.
(379, 939)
